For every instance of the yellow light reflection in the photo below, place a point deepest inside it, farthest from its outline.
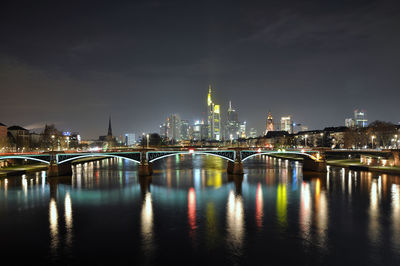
(235, 223)
(374, 226)
(321, 214)
(281, 205)
(211, 225)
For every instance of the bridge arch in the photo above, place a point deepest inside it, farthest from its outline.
(303, 154)
(26, 158)
(61, 161)
(169, 154)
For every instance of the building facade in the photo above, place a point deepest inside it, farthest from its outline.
(213, 118)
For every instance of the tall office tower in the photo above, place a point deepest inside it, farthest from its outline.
(184, 129)
(130, 139)
(286, 124)
(213, 118)
(173, 124)
(349, 122)
(253, 133)
(242, 130)
(270, 123)
(232, 124)
(360, 118)
(163, 130)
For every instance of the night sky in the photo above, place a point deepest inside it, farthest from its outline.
(74, 63)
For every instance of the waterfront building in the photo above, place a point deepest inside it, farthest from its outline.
(360, 118)
(3, 136)
(286, 124)
(213, 118)
(232, 124)
(270, 123)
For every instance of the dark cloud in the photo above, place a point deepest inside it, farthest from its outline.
(80, 61)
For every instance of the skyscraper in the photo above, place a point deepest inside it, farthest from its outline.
(173, 125)
(232, 124)
(286, 124)
(360, 118)
(270, 123)
(213, 118)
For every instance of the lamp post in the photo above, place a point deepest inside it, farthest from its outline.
(147, 140)
(305, 140)
(372, 141)
(52, 142)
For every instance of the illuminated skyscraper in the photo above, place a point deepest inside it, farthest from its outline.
(232, 124)
(286, 124)
(213, 118)
(270, 123)
(360, 118)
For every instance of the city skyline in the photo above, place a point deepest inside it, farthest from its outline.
(144, 59)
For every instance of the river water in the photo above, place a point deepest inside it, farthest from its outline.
(191, 212)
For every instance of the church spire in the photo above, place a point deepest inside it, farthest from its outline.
(109, 127)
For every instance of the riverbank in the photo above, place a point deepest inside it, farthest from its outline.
(22, 169)
(351, 164)
(354, 164)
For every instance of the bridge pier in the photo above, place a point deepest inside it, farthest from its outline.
(315, 166)
(396, 158)
(63, 169)
(145, 169)
(235, 168)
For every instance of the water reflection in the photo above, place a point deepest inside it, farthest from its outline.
(192, 211)
(374, 225)
(53, 220)
(235, 223)
(259, 207)
(321, 215)
(68, 220)
(396, 214)
(305, 212)
(281, 205)
(146, 218)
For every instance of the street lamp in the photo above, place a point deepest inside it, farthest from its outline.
(147, 140)
(372, 141)
(305, 140)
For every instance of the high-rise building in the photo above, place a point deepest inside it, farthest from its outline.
(185, 130)
(270, 123)
(199, 131)
(349, 122)
(173, 125)
(130, 139)
(163, 130)
(232, 124)
(360, 118)
(242, 130)
(286, 124)
(253, 133)
(213, 118)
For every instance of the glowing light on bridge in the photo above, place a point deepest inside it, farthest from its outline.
(191, 150)
(259, 206)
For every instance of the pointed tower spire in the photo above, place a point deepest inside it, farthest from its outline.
(230, 106)
(109, 127)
